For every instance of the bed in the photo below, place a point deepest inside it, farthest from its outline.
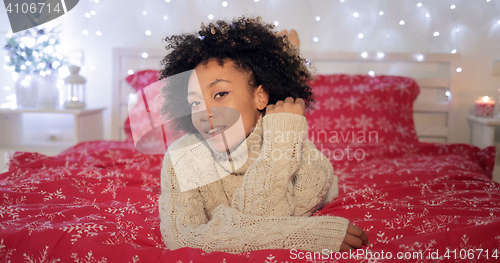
(429, 201)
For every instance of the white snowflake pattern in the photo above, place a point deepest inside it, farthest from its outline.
(372, 103)
(341, 89)
(113, 186)
(404, 88)
(149, 180)
(362, 88)
(10, 206)
(384, 124)
(439, 224)
(89, 229)
(55, 195)
(89, 258)
(406, 112)
(364, 122)
(382, 86)
(343, 123)
(321, 90)
(44, 257)
(323, 123)
(391, 106)
(126, 232)
(352, 102)
(332, 104)
(399, 128)
(5, 253)
(120, 211)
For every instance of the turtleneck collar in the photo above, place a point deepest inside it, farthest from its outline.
(244, 154)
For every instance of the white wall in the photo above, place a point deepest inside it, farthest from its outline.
(123, 25)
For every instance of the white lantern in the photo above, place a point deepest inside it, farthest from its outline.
(74, 89)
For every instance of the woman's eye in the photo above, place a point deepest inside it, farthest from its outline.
(194, 104)
(220, 94)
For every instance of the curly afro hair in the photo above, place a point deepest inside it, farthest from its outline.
(252, 46)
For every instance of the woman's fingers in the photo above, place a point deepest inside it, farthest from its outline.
(289, 100)
(358, 232)
(345, 247)
(353, 241)
(288, 105)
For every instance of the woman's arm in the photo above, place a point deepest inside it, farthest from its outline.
(290, 177)
(184, 223)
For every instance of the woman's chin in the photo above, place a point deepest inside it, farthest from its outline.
(217, 144)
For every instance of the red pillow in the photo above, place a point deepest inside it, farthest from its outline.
(362, 109)
(138, 81)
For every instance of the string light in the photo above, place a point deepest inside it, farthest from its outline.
(452, 7)
(224, 4)
(453, 51)
(87, 15)
(419, 5)
(92, 12)
(380, 55)
(98, 33)
(92, 67)
(360, 35)
(168, 1)
(144, 55)
(381, 13)
(276, 23)
(318, 18)
(210, 16)
(130, 72)
(427, 15)
(165, 17)
(85, 32)
(256, 1)
(371, 73)
(356, 14)
(315, 39)
(364, 54)
(436, 34)
(148, 32)
(144, 12)
(401, 22)
(96, 1)
(459, 69)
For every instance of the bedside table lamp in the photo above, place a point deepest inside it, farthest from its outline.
(74, 89)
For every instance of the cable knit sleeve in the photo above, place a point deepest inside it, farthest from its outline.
(290, 177)
(237, 229)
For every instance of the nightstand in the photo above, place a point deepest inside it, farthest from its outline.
(483, 135)
(48, 130)
(483, 130)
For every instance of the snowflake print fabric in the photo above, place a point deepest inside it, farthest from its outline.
(362, 109)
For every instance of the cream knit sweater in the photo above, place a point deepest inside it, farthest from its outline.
(265, 203)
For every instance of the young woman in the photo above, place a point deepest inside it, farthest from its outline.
(244, 177)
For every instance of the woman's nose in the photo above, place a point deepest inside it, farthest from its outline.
(205, 115)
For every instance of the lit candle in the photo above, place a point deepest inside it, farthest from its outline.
(484, 106)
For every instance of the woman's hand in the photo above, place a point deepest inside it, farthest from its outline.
(354, 238)
(289, 105)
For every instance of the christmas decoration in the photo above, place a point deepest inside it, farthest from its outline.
(34, 51)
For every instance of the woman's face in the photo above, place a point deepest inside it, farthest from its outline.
(224, 109)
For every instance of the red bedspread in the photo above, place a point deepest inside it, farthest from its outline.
(97, 202)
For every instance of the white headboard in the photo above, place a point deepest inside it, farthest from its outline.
(435, 74)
